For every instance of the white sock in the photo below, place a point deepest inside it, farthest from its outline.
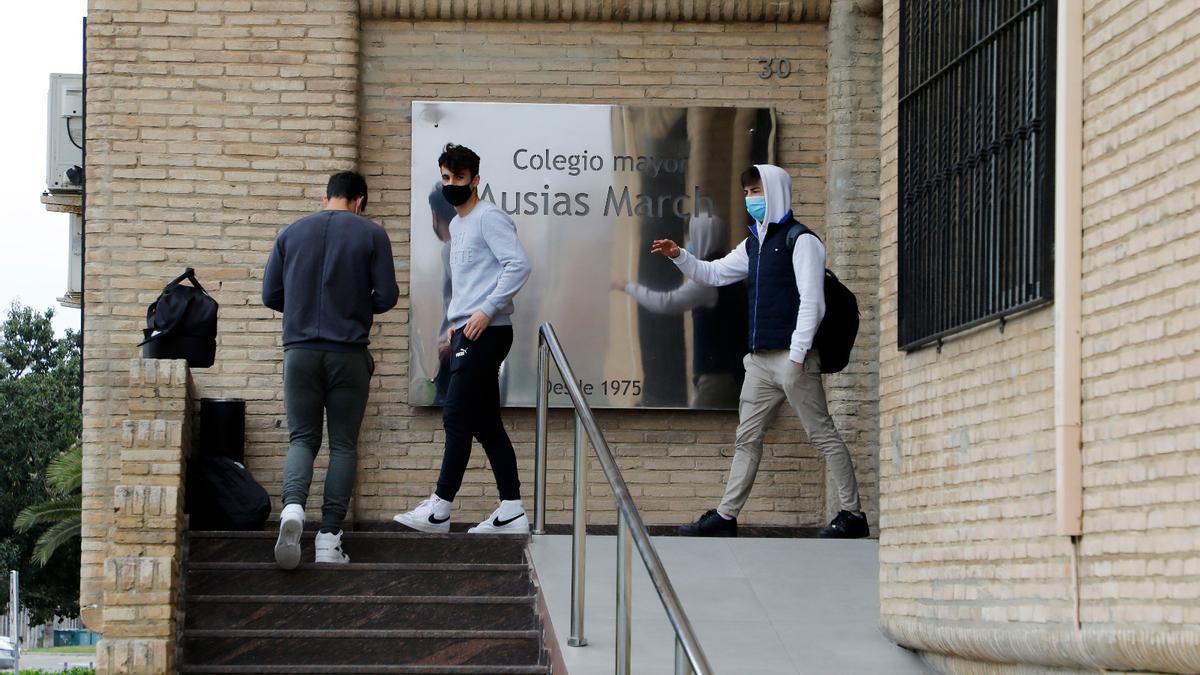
(724, 516)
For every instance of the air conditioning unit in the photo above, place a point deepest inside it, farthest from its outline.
(64, 134)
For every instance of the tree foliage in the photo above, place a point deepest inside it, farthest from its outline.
(39, 420)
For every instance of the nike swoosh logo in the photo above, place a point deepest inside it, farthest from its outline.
(436, 521)
(502, 523)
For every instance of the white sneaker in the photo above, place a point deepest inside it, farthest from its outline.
(287, 546)
(431, 515)
(510, 518)
(329, 548)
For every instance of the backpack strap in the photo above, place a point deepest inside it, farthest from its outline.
(795, 232)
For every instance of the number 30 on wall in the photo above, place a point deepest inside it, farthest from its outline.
(779, 67)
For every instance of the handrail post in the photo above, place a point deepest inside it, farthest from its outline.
(539, 443)
(624, 594)
(579, 538)
(683, 666)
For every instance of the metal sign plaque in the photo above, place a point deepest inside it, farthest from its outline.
(590, 187)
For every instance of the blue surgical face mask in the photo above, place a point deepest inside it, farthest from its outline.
(756, 207)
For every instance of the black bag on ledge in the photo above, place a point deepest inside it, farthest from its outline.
(222, 495)
(182, 324)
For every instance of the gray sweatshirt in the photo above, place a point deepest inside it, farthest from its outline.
(487, 265)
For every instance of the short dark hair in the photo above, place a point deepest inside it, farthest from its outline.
(751, 177)
(459, 157)
(348, 185)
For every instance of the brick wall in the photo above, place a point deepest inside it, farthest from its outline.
(970, 565)
(1141, 315)
(141, 567)
(213, 123)
(675, 462)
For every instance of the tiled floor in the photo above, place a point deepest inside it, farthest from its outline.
(760, 606)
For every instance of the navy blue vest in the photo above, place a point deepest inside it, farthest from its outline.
(771, 286)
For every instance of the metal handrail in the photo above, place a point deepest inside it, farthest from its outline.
(689, 658)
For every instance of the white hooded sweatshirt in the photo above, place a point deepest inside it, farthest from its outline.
(808, 262)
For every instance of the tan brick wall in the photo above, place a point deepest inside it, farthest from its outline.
(966, 450)
(1141, 315)
(213, 123)
(675, 462)
(142, 552)
(970, 564)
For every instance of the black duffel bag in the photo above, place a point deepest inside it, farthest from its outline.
(222, 495)
(182, 324)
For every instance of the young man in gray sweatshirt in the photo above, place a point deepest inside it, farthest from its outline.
(487, 268)
(329, 273)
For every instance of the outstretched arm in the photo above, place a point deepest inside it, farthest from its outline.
(728, 270)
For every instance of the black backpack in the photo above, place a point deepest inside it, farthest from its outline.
(222, 495)
(182, 323)
(836, 334)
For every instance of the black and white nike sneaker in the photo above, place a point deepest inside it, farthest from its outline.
(431, 515)
(510, 518)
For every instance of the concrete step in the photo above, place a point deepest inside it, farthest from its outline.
(361, 647)
(321, 612)
(359, 579)
(369, 669)
(364, 547)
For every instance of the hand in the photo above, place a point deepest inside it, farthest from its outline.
(443, 351)
(665, 247)
(478, 322)
(618, 284)
(449, 336)
(800, 366)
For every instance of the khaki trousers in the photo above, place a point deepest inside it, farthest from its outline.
(770, 378)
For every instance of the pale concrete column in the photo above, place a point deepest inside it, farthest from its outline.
(852, 229)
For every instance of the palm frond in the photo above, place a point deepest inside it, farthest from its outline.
(65, 472)
(62, 533)
(56, 510)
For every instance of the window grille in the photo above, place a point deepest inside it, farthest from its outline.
(976, 163)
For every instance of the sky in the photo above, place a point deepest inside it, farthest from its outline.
(36, 39)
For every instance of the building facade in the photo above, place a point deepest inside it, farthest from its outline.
(211, 124)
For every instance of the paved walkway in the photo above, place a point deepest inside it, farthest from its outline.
(762, 606)
(54, 662)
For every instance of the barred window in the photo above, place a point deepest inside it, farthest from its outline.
(976, 163)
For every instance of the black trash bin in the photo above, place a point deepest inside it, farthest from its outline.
(223, 428)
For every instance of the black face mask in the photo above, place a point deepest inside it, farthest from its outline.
(457, 195)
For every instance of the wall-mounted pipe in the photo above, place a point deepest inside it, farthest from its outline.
(1068, 261)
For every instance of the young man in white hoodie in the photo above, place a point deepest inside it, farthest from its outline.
(783, 264)
(487, 268)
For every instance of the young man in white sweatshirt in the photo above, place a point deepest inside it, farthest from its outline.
(785, 280)
(487, 268)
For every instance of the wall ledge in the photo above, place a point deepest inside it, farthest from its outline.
(983, 648)
(716, 11)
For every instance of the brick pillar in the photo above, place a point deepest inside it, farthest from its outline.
(142, 567)
(852, 231)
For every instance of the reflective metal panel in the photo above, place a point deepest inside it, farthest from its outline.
(590, 187)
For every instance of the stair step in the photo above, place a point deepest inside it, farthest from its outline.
(361, 611)
(361, 647)
(374, 579)
(371, 670)
(365, 547)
